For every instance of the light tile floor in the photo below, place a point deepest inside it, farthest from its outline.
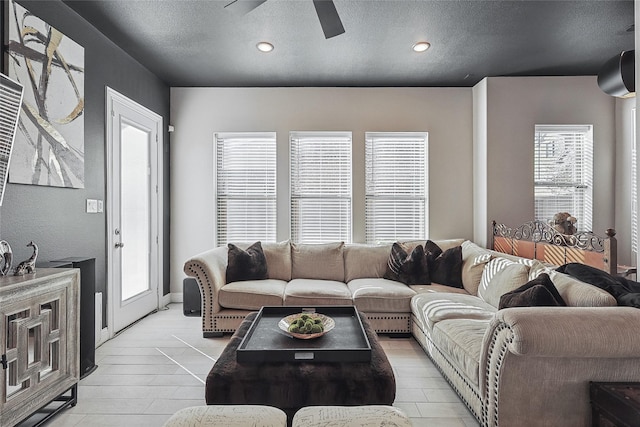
(160, 364)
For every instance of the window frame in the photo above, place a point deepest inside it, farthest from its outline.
(584, 168)
(270, 233)
(295, 195)
(372, 235)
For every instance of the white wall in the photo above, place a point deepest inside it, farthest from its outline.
(514, 105)
(197, 113)
(480, 173)
(624, 144)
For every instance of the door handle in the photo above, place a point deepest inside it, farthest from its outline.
(119, 245)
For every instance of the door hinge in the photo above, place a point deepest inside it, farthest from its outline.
(3, 361)
(156, 189)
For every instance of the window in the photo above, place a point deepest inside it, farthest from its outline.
(320, 187)
(563, 172)
(396, 186)
(245, 187)
(634, 188)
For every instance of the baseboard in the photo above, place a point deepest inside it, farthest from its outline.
(165, 300)
(103, 337)
(177, 297)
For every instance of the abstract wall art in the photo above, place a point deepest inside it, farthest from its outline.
(49, 144)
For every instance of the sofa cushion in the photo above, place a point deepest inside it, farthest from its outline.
(461, 341)
(436, 287)
(323, 261)
(407, 266)
(538, 292)
(363, 261)
(314, 292)
(278, 260)
(249, 264)
(445, 267)
(431, 308)
(380, 296)
(474, 258)
(579, 294)
(573, 291)
(499, 277)
(445, 244)
(252, 294)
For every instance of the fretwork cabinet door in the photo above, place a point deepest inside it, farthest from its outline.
(39, 346)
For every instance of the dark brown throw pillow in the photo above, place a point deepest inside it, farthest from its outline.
(408, 268)
(432, 250)
(539, 292)
(246, 265)
(445, 267)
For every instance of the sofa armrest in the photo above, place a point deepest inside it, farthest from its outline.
(209, 268)
(540, 360)
(575, 332)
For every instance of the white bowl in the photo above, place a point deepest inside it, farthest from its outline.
(327, 322)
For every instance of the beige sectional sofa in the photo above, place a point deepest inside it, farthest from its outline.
(302, 274)
(512, 367)
(526, 366)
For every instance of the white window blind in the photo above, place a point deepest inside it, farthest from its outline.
(320, 187)
(634, 187)
(396, 186)
(563, 172)
(245, 187)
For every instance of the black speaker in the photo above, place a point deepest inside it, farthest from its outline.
(87, 268)
(191, 298)
(617, 76)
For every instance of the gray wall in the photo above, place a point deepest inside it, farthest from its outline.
(514, 105)
(55, 218)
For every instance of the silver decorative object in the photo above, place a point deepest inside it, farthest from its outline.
(29, 265)
(6, 258)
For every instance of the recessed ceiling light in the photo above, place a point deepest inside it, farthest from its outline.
(421, 46)
(264, 47)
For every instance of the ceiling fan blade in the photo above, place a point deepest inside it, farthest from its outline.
(329, 19)
(242, 7)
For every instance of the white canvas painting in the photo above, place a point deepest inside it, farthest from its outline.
(49, 143)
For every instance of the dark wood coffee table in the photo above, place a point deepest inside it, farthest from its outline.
(293, 385)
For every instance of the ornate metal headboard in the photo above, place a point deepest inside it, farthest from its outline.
(537, 240)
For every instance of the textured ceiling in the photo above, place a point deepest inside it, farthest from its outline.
(200, 43)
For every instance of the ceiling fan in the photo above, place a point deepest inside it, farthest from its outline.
(326, 10)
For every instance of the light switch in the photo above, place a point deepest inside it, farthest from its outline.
(100, 206)
(92, 206)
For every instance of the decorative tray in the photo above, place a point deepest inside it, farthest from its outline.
(265, 341)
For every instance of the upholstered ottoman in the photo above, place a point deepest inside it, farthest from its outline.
(350, 416)
(228, 416)
(293, 385)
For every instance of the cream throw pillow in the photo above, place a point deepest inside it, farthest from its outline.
(500, 276)
(322, 262)
(474, 258)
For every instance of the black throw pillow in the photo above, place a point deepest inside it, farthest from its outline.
(539, 292)
(408, 268)
(246, 265)
(445, 267)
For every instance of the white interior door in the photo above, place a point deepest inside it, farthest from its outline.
(133, 173)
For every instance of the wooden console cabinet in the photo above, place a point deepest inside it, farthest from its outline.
(39, 341)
